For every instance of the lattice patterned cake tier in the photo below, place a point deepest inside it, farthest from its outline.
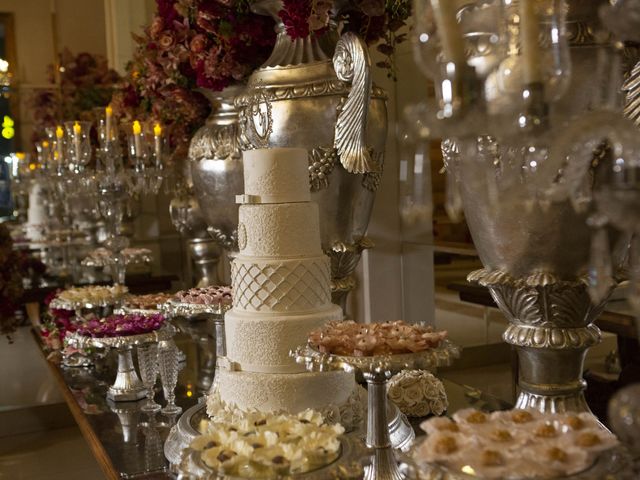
(281, 286)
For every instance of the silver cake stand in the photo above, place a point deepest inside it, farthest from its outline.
(195, 314)
(193, 310)
(101, 309)
(348, 465)
(187, 429)
(127, 385)
(377, 370)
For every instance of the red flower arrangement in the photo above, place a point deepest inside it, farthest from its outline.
(10, 282)
(122, 325)
(57, 324)
(212, 44)
(375, 21)
(81, 83)
(191, 44)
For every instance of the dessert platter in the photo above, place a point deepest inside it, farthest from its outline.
(103, 257)
(147, 304)
(263, 445)
(213, 300)
(517, 445)
(122, 332)
(91, 297)
(377, 351)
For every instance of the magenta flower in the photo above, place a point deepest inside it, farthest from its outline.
(122, 325)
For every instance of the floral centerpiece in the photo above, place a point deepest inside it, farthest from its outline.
(191, 44)
(121, 325)
(56, 324)
(212, 44)
(79, 84)
(10, 282)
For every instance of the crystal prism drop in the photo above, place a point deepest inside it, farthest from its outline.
(600, 267)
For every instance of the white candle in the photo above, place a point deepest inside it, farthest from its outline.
(449, 30)
(77, 130)
(59, 137)
(137, 130)
(157, 136)
(109, 115)
(529, 33)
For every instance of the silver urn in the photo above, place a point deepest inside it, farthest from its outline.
(215, 161)
(316, 93)
(536, 257)
(190, 221)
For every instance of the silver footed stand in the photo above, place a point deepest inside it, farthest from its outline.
(127, 385)
(383, 461)
(377, 370)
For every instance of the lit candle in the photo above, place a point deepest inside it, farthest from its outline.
(109, 115)
(59, 136)
(45, 152)
(157, 137)
(137, 130)
(529, 33)
(449, 31)
(77, 130)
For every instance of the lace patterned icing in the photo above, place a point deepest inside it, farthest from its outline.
(282, 230)
(271, 339)
(276, 175)
(295, 285)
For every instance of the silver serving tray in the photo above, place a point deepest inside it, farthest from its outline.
(186, 430)
(81, 341)
(348, 465)
(612, 464)
(189, 310)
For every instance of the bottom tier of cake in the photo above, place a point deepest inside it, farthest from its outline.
(335, 394)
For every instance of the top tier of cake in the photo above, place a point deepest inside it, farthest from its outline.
(276, 175)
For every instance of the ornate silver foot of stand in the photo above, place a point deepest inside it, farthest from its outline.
(128, 386)
(551, 327)
(384, 465)
(377, 371)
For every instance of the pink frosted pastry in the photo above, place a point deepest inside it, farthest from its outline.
(389, 338)
(214, 295)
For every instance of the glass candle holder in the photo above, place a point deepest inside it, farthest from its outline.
(149, 369)
(168, 356)
(536, 68)
(456, 48)
(78, 143)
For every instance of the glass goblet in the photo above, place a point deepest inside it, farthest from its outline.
(168, 354)
(148, 364)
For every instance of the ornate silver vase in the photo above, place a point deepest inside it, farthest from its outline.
(536, 257)
(316, 93)
(204, 252)
(215, 162)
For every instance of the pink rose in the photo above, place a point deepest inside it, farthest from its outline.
(156, 27)
(198, 43)
(167, 40)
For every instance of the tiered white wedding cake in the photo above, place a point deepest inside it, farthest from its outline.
(281, 291)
